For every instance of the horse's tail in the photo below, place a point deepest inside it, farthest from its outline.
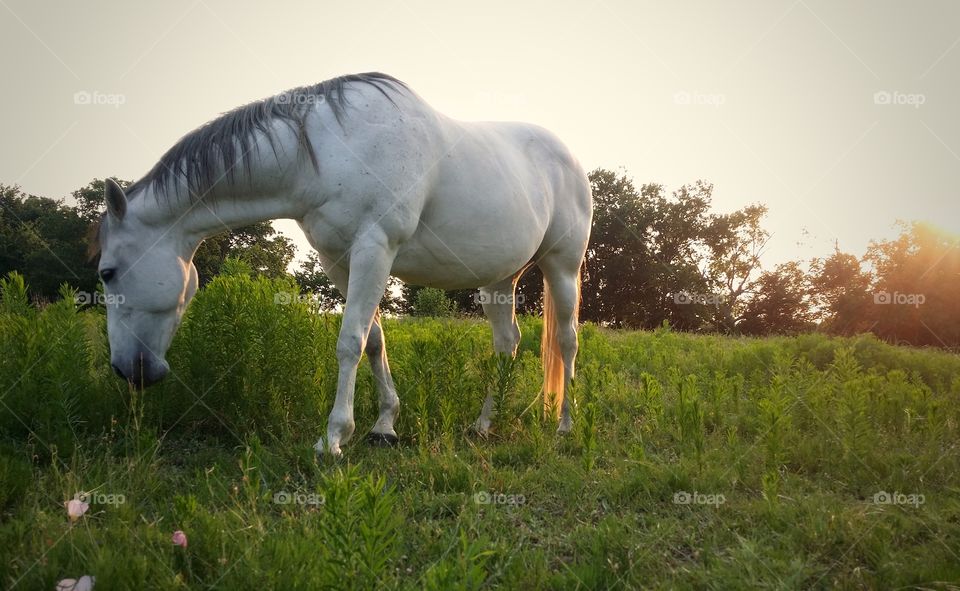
(550, 353)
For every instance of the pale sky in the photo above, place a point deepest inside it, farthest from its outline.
(772, 101)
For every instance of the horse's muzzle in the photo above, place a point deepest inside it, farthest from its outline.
(144, 371)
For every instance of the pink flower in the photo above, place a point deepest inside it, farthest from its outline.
(76, 508)
(179, 539)
(84, 583)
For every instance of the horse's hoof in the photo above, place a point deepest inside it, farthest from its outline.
(482, 427)
(333, 452)
(382, 439)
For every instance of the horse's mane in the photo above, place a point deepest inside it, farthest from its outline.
(226, 142)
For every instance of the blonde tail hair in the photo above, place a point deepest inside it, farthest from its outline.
(550, 354)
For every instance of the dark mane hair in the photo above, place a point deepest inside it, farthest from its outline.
(228, 140)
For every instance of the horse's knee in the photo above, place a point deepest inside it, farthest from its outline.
(349, 348)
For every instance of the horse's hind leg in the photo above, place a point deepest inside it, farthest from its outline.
(382, 432)
(498, 304)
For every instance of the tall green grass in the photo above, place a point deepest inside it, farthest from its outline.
(696, 461)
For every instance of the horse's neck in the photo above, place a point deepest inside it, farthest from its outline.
(232, 208)
(207, 219)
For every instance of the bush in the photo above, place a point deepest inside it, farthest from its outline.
(252, 355)
(55, 378)
(433, 302)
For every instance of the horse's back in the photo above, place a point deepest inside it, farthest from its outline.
(469, 203)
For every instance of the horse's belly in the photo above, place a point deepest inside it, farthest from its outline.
(468, 252)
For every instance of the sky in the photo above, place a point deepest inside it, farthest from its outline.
(841, 117)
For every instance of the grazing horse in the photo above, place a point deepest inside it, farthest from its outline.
(381, 184)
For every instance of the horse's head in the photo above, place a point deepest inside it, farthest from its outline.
(149, 279)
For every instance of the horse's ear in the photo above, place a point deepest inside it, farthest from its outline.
(115, 198)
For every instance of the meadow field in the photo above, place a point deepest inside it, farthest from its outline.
(696, 461)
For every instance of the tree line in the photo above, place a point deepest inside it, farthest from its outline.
(655, 258)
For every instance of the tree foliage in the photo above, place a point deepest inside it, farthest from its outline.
(654, 257)
(46, 240)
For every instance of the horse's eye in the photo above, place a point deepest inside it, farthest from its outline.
(107, 274)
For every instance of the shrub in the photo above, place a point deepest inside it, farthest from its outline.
(433, 302)
(54, 375)
(252, 355)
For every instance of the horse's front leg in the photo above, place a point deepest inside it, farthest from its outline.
(370, 263)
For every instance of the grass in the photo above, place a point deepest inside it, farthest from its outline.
(695, 462)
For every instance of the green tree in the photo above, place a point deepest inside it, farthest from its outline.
(917, 287)
(655, 257)
(734, 244)
(259, 245)
(619, 263)
(311, 278)
(779, 302)
(44, 240)
(841, 291)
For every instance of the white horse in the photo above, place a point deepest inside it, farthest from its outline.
(381, 184)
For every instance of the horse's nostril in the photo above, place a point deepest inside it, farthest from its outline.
(117, 371)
